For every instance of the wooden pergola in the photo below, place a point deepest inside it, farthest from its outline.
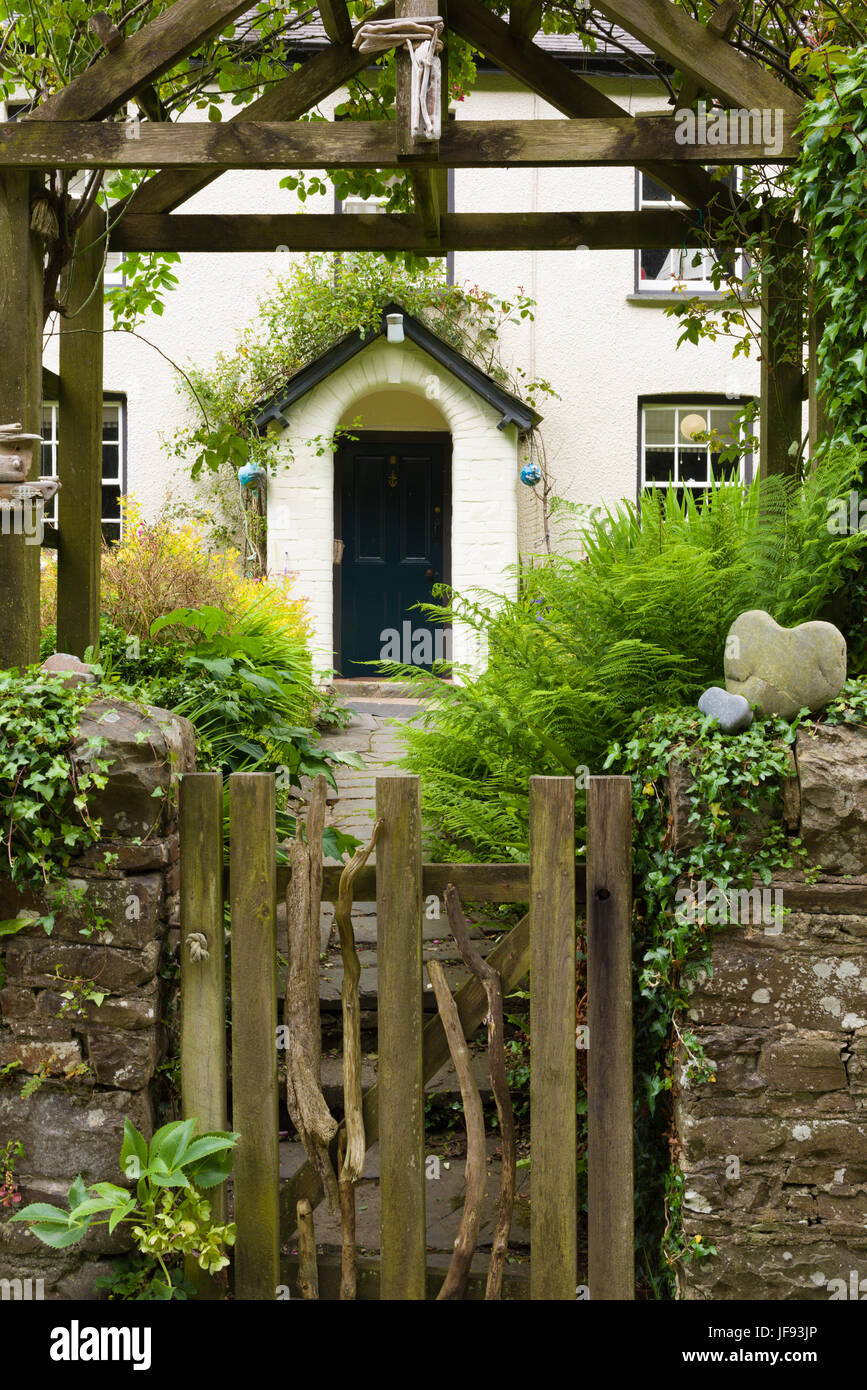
(74, 129)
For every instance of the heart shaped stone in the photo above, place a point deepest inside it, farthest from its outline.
(732, 712)
(783, 669)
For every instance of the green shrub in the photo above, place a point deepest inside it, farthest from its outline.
(639, 622)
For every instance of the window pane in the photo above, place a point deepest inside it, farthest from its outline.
(111, 502)
(659, 465)
(653, 191)
(692, 464)
(659, 428)
(47, 423)
(656, 265)
(111, 531)
(110, 422)
(110, 461)
(46, 465)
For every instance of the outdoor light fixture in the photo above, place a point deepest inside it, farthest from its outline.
(394, 328)
(691, 425)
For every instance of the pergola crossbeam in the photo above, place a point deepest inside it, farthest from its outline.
(336, 21)
(622, 140)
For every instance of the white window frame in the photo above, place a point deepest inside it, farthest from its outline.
(681, 408)
(678, 257)
(48, 466)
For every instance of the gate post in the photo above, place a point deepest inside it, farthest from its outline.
(610, 1202)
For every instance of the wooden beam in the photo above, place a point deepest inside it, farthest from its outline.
(79, 502)
(20, 400)
(782, 334)
(577, 143)
(285, 101)
(139, 60)
(461, 231)
(336, 21)
(721, 23)
(571, 94)
(525, 19)
(712, 63)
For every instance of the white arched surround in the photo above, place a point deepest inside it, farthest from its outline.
(485, 483)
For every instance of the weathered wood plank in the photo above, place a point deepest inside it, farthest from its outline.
(425, 183)
(79, 454)
(721, 23)
(336, 21)
(401, 1073)
(621, 140)
(781, 387)
(714, 64)
(462, 231)
(139, 60)
(611, 1241)
(285, 101)
(553, 1075)
(254, 1024)
(495, 883)
(511, 957)
(569, 93)
(20, 400)
(525, 19)
(203, 984)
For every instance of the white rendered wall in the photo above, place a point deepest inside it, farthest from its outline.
(484, 482)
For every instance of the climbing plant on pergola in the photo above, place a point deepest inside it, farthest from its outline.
(74, 129)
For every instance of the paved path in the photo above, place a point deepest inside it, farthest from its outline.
(376, 737)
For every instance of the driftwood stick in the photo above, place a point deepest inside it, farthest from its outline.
(304, 1099)
(493, 988)
(346, 1189)
(456, 1279)
(308, 1270)
(353, 1162)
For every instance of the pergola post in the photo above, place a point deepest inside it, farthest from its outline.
(79, 502)
(782, 347)
(20, 400)
(820, 426)
(425, 184)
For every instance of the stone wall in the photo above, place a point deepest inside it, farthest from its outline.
(774, 1150)
(97, 1063)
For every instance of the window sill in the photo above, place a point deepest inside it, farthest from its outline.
(661, 298)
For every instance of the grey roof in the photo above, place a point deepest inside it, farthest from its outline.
(513, 410)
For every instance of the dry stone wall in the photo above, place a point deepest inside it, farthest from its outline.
(89, 1067)
(774, 1150)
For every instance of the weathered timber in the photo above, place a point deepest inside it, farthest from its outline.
(20, 400)
(571, 94)
(467, 1238)
(601, 140)
(426, 185)
(611, 1240)
(138, 61)
(79, 502)
(553, 1076)
(352, 1164)
(781, 392)
(401, 1073)
(715, 65)
(285, 101)
(254, 1024)
(525, 19)
(308, 1272)
(459, 231)
(493, 883)
(336, 21)
(203, 984)
(721, 23)
(512, 959)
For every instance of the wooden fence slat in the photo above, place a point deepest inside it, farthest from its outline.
(254, 1035)
(610, 1203)
(203, 982)
(553, 1075)
(401, 1079)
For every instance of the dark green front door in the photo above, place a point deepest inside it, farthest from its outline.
(392, 500)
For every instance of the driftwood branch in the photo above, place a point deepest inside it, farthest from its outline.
(308, 1270)
(455, 1281)
(304, 1099)
(346, 1190)
(490, 980)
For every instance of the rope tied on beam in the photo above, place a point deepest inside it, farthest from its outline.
(421, 37)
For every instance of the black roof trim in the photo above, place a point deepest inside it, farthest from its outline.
(513, 410)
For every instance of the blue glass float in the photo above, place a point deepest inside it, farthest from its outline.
(250, 473)
(531, 473)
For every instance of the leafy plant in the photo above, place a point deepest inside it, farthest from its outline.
(166, 1210)
(12, 1149)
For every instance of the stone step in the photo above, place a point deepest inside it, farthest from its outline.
(444, 1085)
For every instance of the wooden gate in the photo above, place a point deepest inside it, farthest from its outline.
(410, 1051)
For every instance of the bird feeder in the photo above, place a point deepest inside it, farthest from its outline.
(17, 449)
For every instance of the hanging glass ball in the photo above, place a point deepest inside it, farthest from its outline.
(531, 474)
(249, 473)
